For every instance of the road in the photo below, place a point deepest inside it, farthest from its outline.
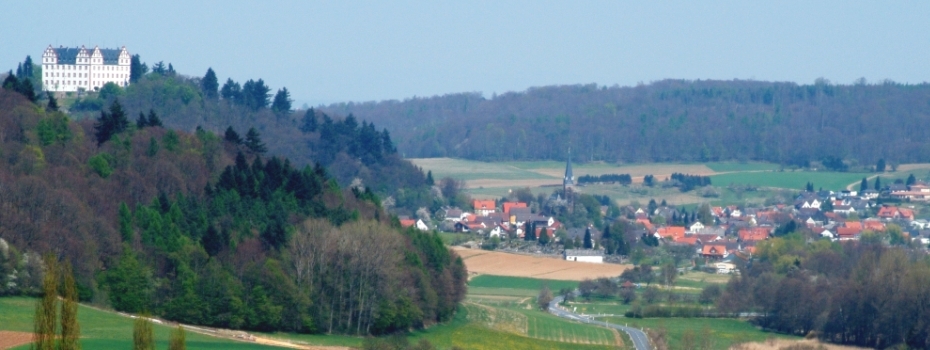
(640, 340)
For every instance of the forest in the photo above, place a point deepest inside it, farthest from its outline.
(208, 228)
(859, 293)
(667, 121)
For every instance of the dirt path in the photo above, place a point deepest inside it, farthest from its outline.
(10, 339)
(852, 186)
(618, 340)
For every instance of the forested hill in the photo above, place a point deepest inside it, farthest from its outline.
(205, 229)
(671, 120)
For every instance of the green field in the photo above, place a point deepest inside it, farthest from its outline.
(504, 283)
(105, 330)
(790, 179)
(723, 332)
(734, 166)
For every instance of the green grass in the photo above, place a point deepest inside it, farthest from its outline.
(790, 179)
(724, 332)
(105, 330)
(520, 283)
(735, 166)
(542, 325)
(451, 238)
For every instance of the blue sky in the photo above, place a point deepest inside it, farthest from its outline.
(333, 51)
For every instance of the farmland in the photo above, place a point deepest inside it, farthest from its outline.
(503, 264)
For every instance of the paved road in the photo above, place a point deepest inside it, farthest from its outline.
(640, 340)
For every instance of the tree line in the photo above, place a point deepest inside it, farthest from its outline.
(666, 121)
(622, 179)
(686, 182)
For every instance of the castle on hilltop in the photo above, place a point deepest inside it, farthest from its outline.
(68, 69)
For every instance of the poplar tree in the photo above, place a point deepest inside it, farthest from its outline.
(142, 337)
(864, 185)
(177, 340)
(70, 329)
(46, 308)
(588, 244)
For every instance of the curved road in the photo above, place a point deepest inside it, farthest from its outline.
(640, 340)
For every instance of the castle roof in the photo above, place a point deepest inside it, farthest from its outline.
(68, 55)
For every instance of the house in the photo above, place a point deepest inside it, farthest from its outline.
(715, 251)
(725, 267)
(674, 232)
(847, 233)
(844, 209)
(695, 227)
(70, 69)
(754, 233)
(584, 255)
(509, 205)
(454, 215)
(421, 225)
(484, 207)
(407, 222)
(873, 225)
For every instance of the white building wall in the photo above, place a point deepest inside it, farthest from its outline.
(89, 71)
(586, 258)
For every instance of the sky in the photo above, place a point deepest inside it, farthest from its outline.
(340, 51)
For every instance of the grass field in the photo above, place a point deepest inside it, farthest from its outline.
(104, 330)
(723, 333)
(790, 179)
(735, 166)
(506, 283)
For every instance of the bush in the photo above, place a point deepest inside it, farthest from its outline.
(100, 163)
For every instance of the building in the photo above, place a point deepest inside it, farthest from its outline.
(584, 255)
(70, 69)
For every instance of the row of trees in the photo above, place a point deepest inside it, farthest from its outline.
(864, 294)
(670, 120)
(686, 182)
(622, 179)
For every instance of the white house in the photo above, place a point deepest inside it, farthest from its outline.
(725, 267)
(584, 255)
(813, 204)
(422, 225)
(74, 68)
(696, 227)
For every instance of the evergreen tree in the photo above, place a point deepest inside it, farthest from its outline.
(136, 69)
(308, 124)
(170, 70)
(543, 236)
(125, 222)
(159, 68)
(142, 334)
(255, 94)
(232, 136)
(142, 121)
(210, 85)
(880, 165)
(10, 82)
(911, 180)
(153, 118)
(878, 183)
(52, 102)
(282, 103)
(588, 243)
(864, 185)
(70, 329)
(46, 315)
(111, 123)
(429, 178)
(386, 144)
(254, 142)
(27, 89)
(232, 92)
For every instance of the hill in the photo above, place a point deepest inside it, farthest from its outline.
(206, 230)
(671, 120)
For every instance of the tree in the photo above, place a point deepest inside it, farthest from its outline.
(429, 178)
(253, 142)
(210, 85)
(159, 68)
(911, 180)
(627, 295)
(142, 121)
(153, 119)
(669, 273)
(44, 323)
(864, 185)
(136, 69)
(178, 339)
(52, 102)
(529, 232)
(543, 237)
(588, 243)
(255, 94)
(111, 123)
(282, 103)
(544, 298)
(70, 329)
(308, 123)
(142, 334)
(232, 92)
(232, 136)
(878, 183)
(880, 165)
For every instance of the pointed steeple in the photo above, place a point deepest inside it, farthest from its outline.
(569, 179)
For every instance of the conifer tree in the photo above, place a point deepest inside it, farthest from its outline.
(153, 119)
(232, 136)
(282, 103)
(588, 244)
(878, 183)
(46, 308)
(52, 102)
(309, 124)
(543, 236)
(429, 178)
(70, 329)
(142, 337)
(136, 68)
(142, 121)
(253, 142)
(210, 85)
(111, 123)
(864, 185)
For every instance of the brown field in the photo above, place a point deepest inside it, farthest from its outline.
(778, 344)
(10, 339)
(505, 264)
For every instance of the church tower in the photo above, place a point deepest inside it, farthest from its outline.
(568, 183)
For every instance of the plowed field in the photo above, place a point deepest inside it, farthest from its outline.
(505, 264)
(10, 339)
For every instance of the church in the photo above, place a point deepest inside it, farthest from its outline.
(69, 69)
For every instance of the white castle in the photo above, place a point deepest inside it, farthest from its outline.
(73, 68)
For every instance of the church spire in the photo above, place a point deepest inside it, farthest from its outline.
(569, 177)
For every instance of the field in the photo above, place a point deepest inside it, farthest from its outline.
(722, 333)
(105, 330)
(503, 264)
(790, 179)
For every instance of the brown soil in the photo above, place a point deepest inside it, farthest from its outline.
(505, 264)
(773, 344)
(618, 340)
(10, 339)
